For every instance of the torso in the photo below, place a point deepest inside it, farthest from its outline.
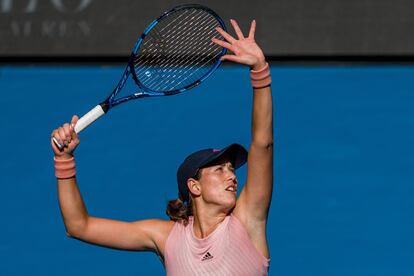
(256, 233)
(228, 250)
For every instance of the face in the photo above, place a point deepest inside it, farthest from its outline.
(218, 184)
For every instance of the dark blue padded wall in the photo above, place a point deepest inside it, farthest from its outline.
(286, 28)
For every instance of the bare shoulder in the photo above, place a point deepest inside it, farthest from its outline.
(159, 226)
(156, 228)
(159, 230)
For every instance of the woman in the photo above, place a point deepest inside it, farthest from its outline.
(211, 232)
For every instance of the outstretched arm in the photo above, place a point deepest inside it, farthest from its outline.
(139, 235)
(253, 204)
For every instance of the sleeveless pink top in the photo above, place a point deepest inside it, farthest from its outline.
(225, 252)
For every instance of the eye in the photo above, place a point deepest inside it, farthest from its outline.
(219, 168)
(230, 167)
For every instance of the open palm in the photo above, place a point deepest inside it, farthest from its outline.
(245, 49)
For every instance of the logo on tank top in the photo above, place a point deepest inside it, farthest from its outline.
(206, 257)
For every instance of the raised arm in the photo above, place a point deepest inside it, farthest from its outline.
(253, 204)
(141, 235)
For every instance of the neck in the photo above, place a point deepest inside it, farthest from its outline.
(206, 220)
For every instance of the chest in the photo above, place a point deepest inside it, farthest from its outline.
(224, 253)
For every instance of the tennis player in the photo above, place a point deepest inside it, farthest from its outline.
(210, 231)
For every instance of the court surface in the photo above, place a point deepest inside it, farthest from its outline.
(343, 197)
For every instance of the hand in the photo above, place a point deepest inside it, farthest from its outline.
(245, 49)
(67, 138)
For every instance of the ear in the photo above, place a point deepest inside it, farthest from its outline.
(194, 187)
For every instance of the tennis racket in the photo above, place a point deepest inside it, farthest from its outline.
(174, 54)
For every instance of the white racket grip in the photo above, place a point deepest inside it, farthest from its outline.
(89, 118)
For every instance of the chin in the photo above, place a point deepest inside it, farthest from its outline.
(230, 203)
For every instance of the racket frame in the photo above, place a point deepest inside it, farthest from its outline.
(102, 108)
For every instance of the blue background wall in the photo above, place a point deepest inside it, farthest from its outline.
(342, 201)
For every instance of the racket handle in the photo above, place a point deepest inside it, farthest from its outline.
(89, 118)
(85, 121)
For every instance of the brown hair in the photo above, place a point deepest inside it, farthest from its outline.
(177, 210)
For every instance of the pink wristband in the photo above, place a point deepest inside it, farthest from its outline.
(261, 78)
(65, 168)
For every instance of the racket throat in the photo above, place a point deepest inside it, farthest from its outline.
(140, 95)
(105, 107)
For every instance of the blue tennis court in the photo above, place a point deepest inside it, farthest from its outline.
(342, 202)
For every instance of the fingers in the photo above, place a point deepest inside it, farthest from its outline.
(244, 49)
(236, 28)
(238, 31)
(226, 36)
(65, 138)
(55, 147)
(74, 121)
(56, 139)
(252, 29)
(232, 58)
(223, 44)
(65, 134)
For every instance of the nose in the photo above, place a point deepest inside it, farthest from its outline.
(234, 179)
(231, 175)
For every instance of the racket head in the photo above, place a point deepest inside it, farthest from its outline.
(175, 52)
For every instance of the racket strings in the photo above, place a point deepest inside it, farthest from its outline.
(167, 74)
(179, 51)
(182, 60)
(151, 42)
(194, 71)
(169, 23)
(153, 49)
(176, 56)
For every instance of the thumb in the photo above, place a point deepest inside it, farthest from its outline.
(74, 121)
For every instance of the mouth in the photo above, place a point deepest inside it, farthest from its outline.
(231, 188)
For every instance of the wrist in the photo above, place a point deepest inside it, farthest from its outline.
(64, 168)
(258, 65)
(64, 156)
(261, 78)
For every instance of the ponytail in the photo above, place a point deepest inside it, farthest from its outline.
(178, 211)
